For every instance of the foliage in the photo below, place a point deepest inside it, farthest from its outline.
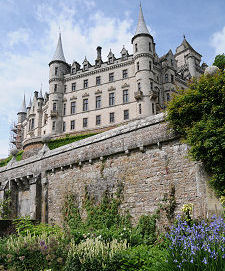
(56, 143)
(25, 225)
(5, 210)
(93, 255)
(198, 114)
(31, 252)
(5, 161)
(220, 61)
(197, 247)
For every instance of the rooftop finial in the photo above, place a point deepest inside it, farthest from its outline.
(141, 27)
(184, 36)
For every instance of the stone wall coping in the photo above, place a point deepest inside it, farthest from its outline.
(132, 126)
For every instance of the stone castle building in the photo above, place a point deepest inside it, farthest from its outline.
(107, 93)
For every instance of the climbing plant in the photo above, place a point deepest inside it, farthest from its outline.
(198, 115)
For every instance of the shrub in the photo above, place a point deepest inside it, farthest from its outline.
(197, 247)
(93, 254)
(198, 115)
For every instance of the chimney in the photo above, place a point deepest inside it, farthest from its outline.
(99, 53)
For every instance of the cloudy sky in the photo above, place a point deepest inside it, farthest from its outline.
(29, 32)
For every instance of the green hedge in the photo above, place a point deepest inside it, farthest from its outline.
(5, 161)
(56, 143)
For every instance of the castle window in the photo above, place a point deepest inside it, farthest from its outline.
(126, 114)
(85, 104)
(98, 102)
(53, 126)
(54, 107)
(157, 79)
(138, 67)
(85, 122)
(32, 124)
(64, 88)
(139, 86)
(73, 108)
(64, 126)
(56, 70)
(136, 47)
(73, 87)
(73, 70)
(111, 77)
(139, 107)
(85, 67)
(172, 78)
(98, 80)
(125, 74)
(111, 99)
(125, 96)
(111, 117)
(150, 46)
(151, 85)
(171, 62)
(153, 108)
(166, 78)
(64, 109)
(124, 56)
(111, 60)
(55, 87)
(86, 83)
(72, 124)
(150, 65)
(98, 120)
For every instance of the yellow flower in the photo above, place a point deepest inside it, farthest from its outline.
(187, 208)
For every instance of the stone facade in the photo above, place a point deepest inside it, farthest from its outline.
(145, 156)
(107, 93)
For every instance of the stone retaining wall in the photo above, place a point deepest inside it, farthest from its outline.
(145, 156)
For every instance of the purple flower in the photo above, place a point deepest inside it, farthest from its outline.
(42, 243)
(204, 261)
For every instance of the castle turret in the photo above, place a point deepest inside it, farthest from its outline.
(57, 69)
(22, 112)
(144, 50)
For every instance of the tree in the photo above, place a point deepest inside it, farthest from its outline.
(220, 61)
(198, 114)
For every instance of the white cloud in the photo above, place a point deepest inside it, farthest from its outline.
(218, 41)
(19, 36)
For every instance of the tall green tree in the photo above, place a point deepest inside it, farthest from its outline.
(220, 61)
(198, 114)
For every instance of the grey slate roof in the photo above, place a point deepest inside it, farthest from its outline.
(59, 55)
(141, 27)
(23, 108)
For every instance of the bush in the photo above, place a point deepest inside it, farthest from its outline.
(93, 254)
(198, 115)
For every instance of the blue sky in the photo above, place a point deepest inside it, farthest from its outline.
(29, 32)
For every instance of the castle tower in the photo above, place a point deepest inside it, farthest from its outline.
(144, 50)
(22, 112)
(57, 69)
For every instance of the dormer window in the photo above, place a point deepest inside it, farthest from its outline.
(124, 56)
(166, 78)
(110, 60)
(85, 67)
(73, 70)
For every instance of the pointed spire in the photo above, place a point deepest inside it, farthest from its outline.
(30, 104)
(59, 55)
(23, 108)
(40, 93)
(141, 27)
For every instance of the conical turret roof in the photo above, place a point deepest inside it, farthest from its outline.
(141, 27)
(23, 108)
(59, 55)
(30, 103)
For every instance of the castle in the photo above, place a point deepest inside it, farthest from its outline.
(108, 93)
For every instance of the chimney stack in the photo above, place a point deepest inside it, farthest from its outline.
(99, 53)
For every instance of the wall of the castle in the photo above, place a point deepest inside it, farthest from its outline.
(145, 156)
